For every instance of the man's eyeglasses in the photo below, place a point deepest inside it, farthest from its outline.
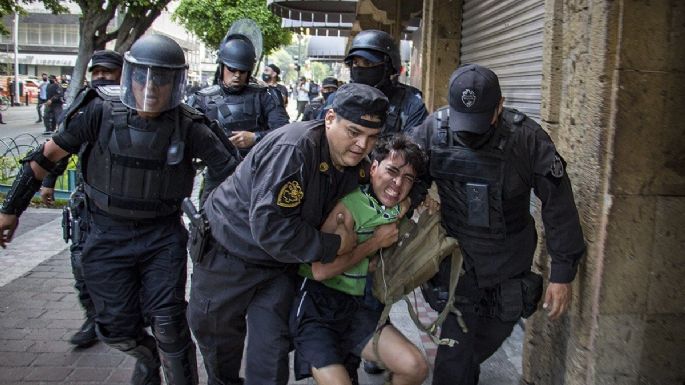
(160, 78)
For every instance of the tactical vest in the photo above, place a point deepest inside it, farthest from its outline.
(471, 181)
(396, 114)
(368, 214)
(135, 173)
(234, 112)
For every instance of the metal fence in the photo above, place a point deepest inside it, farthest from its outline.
(12, 150)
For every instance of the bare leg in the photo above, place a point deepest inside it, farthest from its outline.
(331, 375)
(400, 356)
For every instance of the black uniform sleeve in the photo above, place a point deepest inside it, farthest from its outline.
(276, 209)
(416, 112)
(82, 127)
(559, 214)
(422, 135)
(275, 114)
(219, 160)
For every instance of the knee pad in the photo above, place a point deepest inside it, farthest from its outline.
(171, 331)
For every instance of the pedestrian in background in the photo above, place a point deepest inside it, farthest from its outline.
(42, 96)
(272, 76)
(302, 90)
(53, 104)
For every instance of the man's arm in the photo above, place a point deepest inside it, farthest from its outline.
(383, 236)
(277, 221)
(563, 232)
(34, 168)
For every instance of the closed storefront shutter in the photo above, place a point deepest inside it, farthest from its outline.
(506, 36)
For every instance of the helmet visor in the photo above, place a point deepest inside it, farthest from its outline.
(152, 89)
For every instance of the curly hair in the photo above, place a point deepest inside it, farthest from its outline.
(401, 144)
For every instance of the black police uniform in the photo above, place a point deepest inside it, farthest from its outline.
(252, 109)
(136, 172)
(406, 111)
(485, 204)
(265, 220)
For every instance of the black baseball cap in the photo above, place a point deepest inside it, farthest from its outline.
(368, 54)
(106, 58)
(474, 95)
(358, 102)
(275, 68)
(329, 82)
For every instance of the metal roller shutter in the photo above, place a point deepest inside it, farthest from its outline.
(506, 36)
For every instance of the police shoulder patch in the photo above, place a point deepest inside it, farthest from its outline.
(290, 195)
(557, 169)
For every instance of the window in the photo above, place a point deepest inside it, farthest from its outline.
(72, 35)
(46, 34)
(33, 34)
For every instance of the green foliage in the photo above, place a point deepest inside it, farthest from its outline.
(319, 71)
(210, 19)
(9, 7)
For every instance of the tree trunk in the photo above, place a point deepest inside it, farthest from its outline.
(135, 24)
(93, 20)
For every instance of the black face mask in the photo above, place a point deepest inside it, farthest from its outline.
(103, 82)
(325, 95)
(472, 140)
(371, 76)
(266, 77)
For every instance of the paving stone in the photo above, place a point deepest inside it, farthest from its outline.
(15, 345)
(55, 359)
(89, 374)
(49, 374)
(100, 360)
(50, 346)
(10, 359)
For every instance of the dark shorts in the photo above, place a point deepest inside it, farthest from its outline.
(327, 325)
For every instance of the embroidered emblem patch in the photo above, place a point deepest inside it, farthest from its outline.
(557, 169)
(468, 97)
(362, 173)
(291, 195)
(323, 166)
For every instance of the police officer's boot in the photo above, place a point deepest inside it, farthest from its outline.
(180, 368)
(86, 336)
(146, 371)
(176, 348)
(143, 349)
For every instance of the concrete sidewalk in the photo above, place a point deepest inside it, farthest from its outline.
(39, 311)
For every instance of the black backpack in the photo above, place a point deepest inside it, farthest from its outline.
(314, 90)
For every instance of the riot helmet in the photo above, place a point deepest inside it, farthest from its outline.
(238, 53)
(154, 75)
(376, 47)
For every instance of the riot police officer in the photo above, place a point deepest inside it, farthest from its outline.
(105, 69)
(264, 221)
(246, 111)
(312, 110)
(374, 60)
(137, 167)
(485, 159)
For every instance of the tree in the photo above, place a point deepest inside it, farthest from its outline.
(96, 16)
(211, 19)
(9, 7)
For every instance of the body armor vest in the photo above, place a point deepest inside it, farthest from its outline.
(396, 115)
(235, 112)
(471, 182)
(138, 173)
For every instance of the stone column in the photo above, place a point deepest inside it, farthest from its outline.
(613, 92)
(441, 34)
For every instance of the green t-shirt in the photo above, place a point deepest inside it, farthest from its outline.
(368, 214)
